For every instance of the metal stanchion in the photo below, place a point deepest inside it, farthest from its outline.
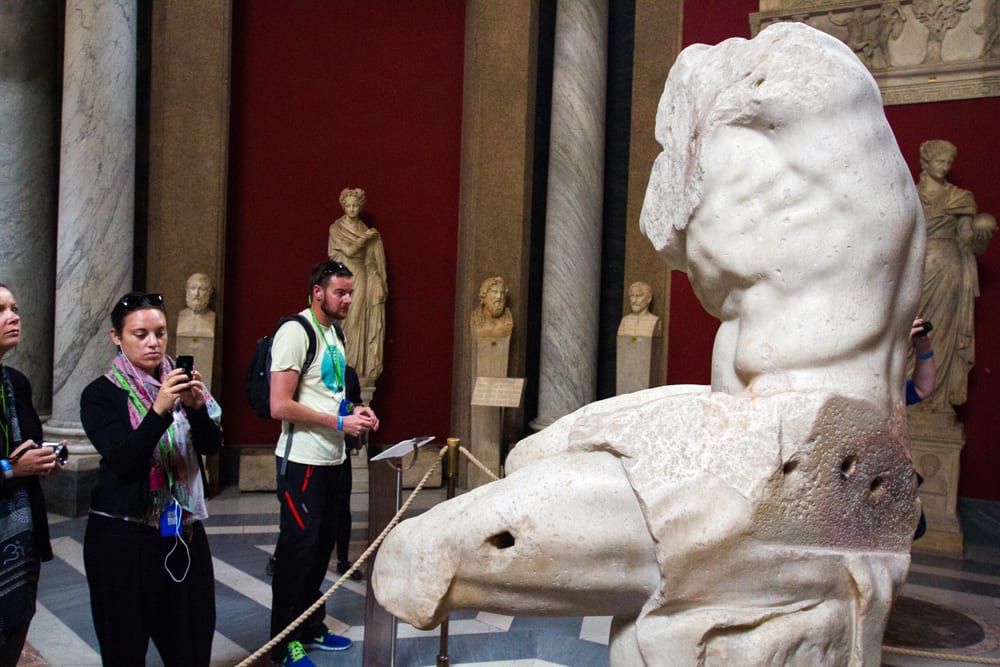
(452, 474)
(394, 457)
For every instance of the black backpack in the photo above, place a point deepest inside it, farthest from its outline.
(257, 385)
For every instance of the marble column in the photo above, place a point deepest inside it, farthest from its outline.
(96, 205)
(29, 159)
(572, 266)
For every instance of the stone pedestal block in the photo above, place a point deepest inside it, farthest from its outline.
(257, 471)
(936, 442)
(635, 355)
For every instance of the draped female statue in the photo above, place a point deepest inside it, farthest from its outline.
(359, 247)
(955, 235)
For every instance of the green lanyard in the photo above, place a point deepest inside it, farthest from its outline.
(165, 451)
(333, 352)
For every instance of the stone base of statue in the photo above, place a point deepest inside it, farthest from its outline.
(367, 390)
(936, 441)
(486, 422)
(68, 491)
(202, 348)
(257, 471)
(635, 354)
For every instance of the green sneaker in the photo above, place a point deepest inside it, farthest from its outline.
(328, 642)
(296, 656)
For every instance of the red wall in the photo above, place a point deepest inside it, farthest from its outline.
(972, 125)
(357, 93)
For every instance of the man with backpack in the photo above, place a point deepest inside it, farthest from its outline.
(316, 414)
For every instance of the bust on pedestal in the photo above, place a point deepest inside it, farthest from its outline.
(635, 340)
(492, 324)
(196, 325)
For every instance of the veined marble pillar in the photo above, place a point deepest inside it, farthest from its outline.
(572, 267)
(96, 204)
(28, 161)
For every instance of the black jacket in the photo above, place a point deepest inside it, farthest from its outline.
(123, 478)
(31, 429)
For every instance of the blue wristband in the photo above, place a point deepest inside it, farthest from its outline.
(925, 357)
(8, 469)
(340, 422)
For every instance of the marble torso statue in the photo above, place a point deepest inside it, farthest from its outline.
(359, 247)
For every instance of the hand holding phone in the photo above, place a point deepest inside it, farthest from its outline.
(186, 361)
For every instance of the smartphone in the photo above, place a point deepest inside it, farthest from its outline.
(186, 361)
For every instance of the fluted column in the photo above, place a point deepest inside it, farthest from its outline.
(28, 161)
(96, 199)
(572, 266)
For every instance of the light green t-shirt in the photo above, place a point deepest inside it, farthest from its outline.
(315, 445)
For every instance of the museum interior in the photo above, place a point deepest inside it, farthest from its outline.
(492, 161)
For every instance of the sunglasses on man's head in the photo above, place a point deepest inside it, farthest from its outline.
(331, 269)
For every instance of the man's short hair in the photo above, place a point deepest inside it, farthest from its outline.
(323, 271)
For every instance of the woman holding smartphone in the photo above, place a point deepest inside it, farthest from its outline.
(25, 541)
(147, 559)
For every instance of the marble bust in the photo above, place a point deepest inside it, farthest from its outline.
(640, 322)
(493, 318)
(955, 235)
(359, 247)
(197, 320)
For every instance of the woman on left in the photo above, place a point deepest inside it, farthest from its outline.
(147, 558)
(24, 525)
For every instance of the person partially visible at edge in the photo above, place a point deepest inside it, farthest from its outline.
(921, 383)
(314, 409)
(25, 535)
(145, 552)
(920, 386)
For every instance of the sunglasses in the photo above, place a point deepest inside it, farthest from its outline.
(134, 301)
(331, 269)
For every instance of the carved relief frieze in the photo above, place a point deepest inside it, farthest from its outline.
(917, 50)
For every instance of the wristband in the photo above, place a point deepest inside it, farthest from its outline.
(8, 469)
(925, 357)
(340, 423)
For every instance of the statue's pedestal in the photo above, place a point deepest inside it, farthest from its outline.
(486, 422)
(202, 348)
(635, 355)
(936, 441)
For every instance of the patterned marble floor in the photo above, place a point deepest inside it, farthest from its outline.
(947, 604)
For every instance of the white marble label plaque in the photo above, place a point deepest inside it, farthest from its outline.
(498, 392)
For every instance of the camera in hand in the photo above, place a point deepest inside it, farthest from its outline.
(59, 449)
(926, 328)
(186, 361)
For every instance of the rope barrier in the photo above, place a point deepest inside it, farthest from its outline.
(947, 657)
(368, 552)
(476, 462)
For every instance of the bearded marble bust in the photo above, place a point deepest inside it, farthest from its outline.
(197, 320)
(640, 322)
(493, 318)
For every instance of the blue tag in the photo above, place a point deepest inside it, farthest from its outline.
(170, 520)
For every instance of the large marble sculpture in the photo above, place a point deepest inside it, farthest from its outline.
(360, 248)
(766, 519)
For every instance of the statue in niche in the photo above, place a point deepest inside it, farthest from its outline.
(640, 322)
(990, 29)
(493, 318)
(955, 235)
(938, 16)
(197, 320)
(360, 248)
(768, 518)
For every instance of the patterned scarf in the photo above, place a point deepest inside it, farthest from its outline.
(174, 458)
